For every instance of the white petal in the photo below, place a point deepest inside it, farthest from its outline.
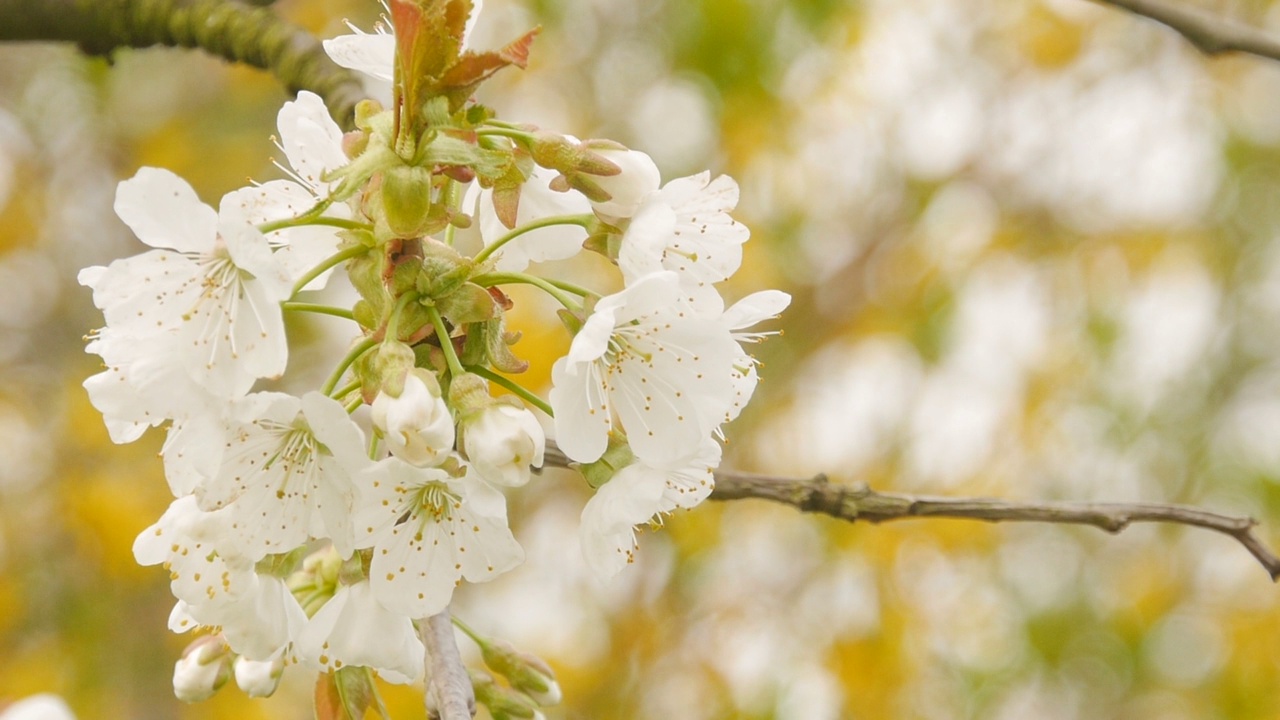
(415, 570)
(754, 308)
(164, 212)
(582, 415)
(312, 141)
(607, 533)
(370, 53)
(353, 629)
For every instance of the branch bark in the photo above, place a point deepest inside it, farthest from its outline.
(450, 695)
(859, 502)
(1210, 34)
(230, 29)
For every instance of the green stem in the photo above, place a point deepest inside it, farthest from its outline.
(446, 344)
(520, 135)
(466, 630)
(349, 387)
(570, 287)
(290, 305)
(584, 220)
(508, 278)
(302, 220)
(315, 212)
(393, 323)
(375, 440)
(452, 201)
(514, 387)
(361, 348)
(332, 261)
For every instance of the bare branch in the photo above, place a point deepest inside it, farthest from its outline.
(449, 693)
(1212, 35)
(859, 502)
(235, 31)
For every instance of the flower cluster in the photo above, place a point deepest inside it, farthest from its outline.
(305, 526)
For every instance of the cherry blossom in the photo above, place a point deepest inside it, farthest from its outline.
(428, 530)
(647, 356)
(685, 227)
(287, 474)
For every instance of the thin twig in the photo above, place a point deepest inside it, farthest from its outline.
(859, 502)
(449, 692)
(1209, 33)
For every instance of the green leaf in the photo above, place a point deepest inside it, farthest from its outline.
(447, 148)
(470, 303)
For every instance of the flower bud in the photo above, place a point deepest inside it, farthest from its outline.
(503, 703)
(638, 178)
(502, 441)
(406, 201)
(527, 673)
(417, 425)
(204, 667)
(258, 678)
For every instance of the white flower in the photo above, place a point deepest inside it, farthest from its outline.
(142, 386)
(685, 227)
(192, 546)
(648, 356)
(312, 144)
(45, 706)
(216, 286)
(202, 670)
(501, 442)
(286, 474)
(259, 623)
(429, 530)
(627, 189)
(750, 310)
(537, 201)
(258, 678)
(353, 629)
(634, 496)
(417, 425)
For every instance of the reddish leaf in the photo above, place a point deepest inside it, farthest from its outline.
(348, 694)
(472, 68)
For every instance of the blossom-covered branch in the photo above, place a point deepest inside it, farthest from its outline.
(1210, 33)
(235, 31)
(859, 502)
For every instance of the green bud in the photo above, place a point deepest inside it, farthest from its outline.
(469, 393)
(527, 673)
(391, 363)
(502, 702)
(554, 151)
(406, 200)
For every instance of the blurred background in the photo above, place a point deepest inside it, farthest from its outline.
(1034, 247)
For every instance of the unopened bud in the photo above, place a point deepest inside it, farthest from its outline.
(527, 673)
(418, 425)
(205, 666)
(503, 702)
(626, 189)
(258, 678)
(406, 201)
(502, 441)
